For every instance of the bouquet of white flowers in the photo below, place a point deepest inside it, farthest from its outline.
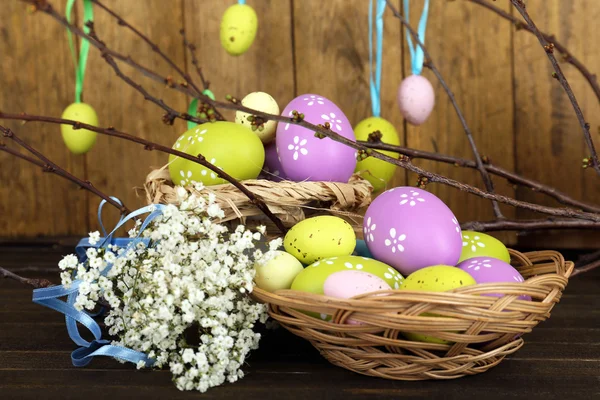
(190, 278)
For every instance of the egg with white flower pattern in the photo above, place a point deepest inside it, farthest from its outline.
(410, 228)
(306, 157)
(492, 270)
(229, 146)
(476, 244)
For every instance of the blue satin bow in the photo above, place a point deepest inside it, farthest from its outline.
(49, 297)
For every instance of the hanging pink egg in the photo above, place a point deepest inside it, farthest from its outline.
(416, 99)
(306, 157)
(272, 169)
(410, 228)
(492, 270)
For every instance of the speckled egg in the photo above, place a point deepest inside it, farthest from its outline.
(437, 278)
(260, 101)
(477, 244)
(313, 277)
(410, 228)
(238, 28)
(278, 272)
(79, 141)
(272, 169)
(306, 157)
(492, 270)
(416, 99)
(376, 171)
(347, 284)
(229, 146)
(320, 237)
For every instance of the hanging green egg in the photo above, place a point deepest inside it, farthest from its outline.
(376, 171)
(231, 147)
(79, 141)
(238, 29)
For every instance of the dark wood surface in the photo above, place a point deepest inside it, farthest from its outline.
(561, 358)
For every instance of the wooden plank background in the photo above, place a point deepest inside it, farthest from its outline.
(520, 117)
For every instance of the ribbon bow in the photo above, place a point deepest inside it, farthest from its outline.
(49, 297)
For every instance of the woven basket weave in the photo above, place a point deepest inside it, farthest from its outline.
(483, 329)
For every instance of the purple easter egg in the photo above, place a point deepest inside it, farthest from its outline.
(272, 169)
(410, 228)
(492, 270)
(305, 157)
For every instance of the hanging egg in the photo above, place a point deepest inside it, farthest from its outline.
(477, 244)
(260, 101)
(492, 270)
(79, 141)
(229, 146)
(277, 273)
(416, 99)
(272, 169)
(306, 157)
(410, 228)
(238, 28)
(376, 171)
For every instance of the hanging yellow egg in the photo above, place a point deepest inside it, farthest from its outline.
(79, 141)
(238, 28)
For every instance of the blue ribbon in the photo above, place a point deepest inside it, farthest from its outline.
(375, 83)
(241, 1)
(49, 297)
(416, 52)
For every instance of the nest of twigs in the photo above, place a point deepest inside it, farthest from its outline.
(480, 330)
(291, 202)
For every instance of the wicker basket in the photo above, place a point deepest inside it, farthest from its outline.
(482, 329)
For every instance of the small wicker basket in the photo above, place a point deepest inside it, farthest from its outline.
(482, 330)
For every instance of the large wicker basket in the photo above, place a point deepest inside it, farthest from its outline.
(481, 330)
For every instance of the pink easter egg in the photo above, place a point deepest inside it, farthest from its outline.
(305, 157)
(347, 284)
(492, 270)
(272, 169)
(410, 228)
(416, 99)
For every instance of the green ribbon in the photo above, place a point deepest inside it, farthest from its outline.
(88, 15)
(193, 108)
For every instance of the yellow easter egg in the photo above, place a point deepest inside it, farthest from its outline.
(260, 101)
(320, 237)
(476, 244)
(238, 28)
(227, 145)
(438, 278)
(277, 273)
(376, 171)
(79, 141)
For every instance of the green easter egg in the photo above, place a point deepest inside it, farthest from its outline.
(312, 279)
(79, 141)
(438, 278)
(376, 171)
(238, 28)
(229, 146)
(477, 244)
(320, 237)
(277, 273)
(260, 101)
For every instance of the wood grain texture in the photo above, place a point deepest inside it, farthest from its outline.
(550, 146)
(117, 166)
(560, 359)
(332, 59)
(37, 75)
(472, 50)
(267, 66)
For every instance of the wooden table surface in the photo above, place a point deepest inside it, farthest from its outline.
(560, 359)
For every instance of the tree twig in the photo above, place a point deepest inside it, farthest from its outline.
(33, 282)
(49, 166)
(148, 145)
(558, 74)
(529, 225)
(491, 168)
(586, 268)
(487, 180)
